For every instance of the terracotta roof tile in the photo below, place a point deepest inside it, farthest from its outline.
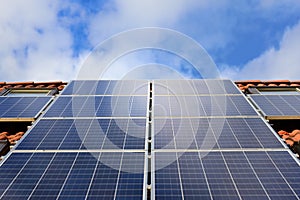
(249, 81)
(283, 84)
(295, 84)
(243, 85)
(20, 83)
(261, 84)
(296, 138)
(289, 142)
(49, 83)
(282, 132)
(272, 85)
(277, 81)
(294, 132)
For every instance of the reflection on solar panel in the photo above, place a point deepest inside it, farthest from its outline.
(216, 133)
(194, 87)
(226, 175)
(98, 106)
(86, 134)
(106, 87)
(278, 105)
(21, 107)
(173, 139)
(73, 175)
(191, 106)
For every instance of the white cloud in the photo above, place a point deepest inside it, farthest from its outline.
(36, 44)
(122, 15)
(281, 63)
(33, 44)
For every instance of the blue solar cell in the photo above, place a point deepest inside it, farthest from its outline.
(278, 105)
(191, 106)
(86, 134)
(226, 175)
(167, 181)
(106, 87)
(194, 87)
(22, 107)
(213, 133)
(73, 175)
(98, 106)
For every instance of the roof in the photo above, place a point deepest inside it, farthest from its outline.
(15, 135)
(244, 85)
(31, 84)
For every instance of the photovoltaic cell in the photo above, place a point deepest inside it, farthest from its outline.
(192, 106)
(21, 107)
(72, 175)
(226, 175)
(194, 87)
(98, 106)
(278, 105)
(213, 133)
(202, 135)
(106, 87)
(85, 134)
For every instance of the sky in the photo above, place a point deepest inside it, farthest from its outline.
(51, 40)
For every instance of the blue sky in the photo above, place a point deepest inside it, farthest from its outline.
(50, 40)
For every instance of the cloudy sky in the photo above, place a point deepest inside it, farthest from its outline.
(50, 40)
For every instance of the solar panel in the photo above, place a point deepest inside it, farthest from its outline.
(194, 87)
(106, 87)
(86, 134)
(22, 107)
(278, 105)
(164, 139)
(98, 106)
(73, 175)
(226, 175)
(193, 106)
(213, 133)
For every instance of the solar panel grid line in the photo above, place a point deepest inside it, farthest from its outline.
(41, 178)
(180, 179)
(279, 171)
(25, 135)
(238, 169)
(255, 136)
(43, 108)
(78, 87)
(278, 102)
(257, 106)
(10, 105)
(232, 179)
(254, 172)
(234, 135)
(267, 104)
(49, 132)
(205, 176)
(261, 170)
(18, 173)
(23, 107)
(118, 178)
(289, 105)
(291, 101)
(77, 177)
(94, 173)
(53, 104)
(271, 130)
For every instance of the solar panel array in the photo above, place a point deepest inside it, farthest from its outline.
(22, 107)
(278, 105)
(227, 175)
(162, 139)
